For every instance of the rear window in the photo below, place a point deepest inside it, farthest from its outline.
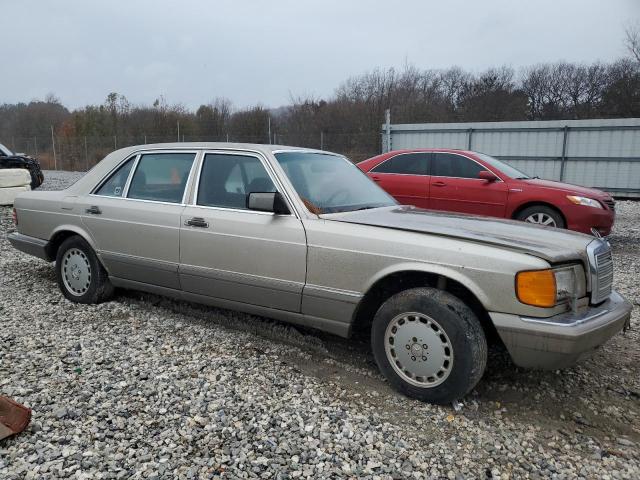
(114, 186)
(405, 164)
(456, 166)
(161, 177)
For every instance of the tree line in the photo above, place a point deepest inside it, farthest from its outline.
(349, 121)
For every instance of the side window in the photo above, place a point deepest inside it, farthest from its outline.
(226, 180)
(407, 164)
(161, 177)
(114, 186)
(450, 165)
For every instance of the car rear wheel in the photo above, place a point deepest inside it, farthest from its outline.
(81, 277)
(542, 215)
(429, 345)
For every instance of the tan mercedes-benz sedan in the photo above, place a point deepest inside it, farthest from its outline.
(304, 236)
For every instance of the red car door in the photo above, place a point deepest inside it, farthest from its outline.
(455, 187)
(405, 177)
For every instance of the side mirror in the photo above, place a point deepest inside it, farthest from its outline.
(267, 202)
(487, 176)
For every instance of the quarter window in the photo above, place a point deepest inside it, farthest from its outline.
(161, 177)
(226, 180)
(407, 164)
(449, 165)
(114, 186)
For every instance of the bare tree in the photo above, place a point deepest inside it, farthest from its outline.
(632, 40)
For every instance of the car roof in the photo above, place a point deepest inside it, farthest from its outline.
(445, 150)
(5, 150)
(265, 148)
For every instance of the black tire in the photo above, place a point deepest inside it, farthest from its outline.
(542, 210)
(96, 287)
(464, 334)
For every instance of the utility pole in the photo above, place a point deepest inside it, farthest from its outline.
(178, 130)
(53, 144)
(269, 129)
(86, 153)
(321, 140)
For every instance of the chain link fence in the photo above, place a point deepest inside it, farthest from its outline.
(80, 153)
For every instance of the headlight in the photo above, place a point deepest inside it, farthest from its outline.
(547, 288)
(588, 202)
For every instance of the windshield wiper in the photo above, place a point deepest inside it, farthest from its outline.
(363, 208)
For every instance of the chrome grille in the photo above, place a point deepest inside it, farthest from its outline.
(602, 272)
(610, 203)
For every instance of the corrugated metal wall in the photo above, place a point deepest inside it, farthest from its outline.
(596, 153)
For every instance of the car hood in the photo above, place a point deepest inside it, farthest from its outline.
(569, 188)
(551, 244)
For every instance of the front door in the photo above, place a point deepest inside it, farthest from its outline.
(455, 187)
(134, 217)
(405, 177)
(232, 253)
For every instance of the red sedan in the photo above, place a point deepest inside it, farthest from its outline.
(471, 182)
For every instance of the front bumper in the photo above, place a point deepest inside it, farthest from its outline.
(30, 245)
(560, 341)
(583, 219)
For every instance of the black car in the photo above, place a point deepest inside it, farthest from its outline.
(8, 159)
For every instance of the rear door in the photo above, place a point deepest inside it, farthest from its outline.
(134, 217)
(455, 187)
(232, 253)
(405, 177)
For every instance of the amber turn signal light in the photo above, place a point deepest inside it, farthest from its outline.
(537, 288)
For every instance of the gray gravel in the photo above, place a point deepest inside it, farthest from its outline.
(146, 387)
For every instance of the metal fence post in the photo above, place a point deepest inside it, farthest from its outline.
(563, 158)
(387, 126)
(53, 145)
(86, 154)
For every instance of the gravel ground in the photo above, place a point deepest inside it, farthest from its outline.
(146, 387)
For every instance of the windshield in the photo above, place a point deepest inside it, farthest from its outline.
(505, 168)
(4, 151)
(329, 183)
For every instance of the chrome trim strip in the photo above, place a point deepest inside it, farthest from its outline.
(127, 184)
(431, 166)
(241, 278)
(332, 293)
(139, 200)
(137, 260)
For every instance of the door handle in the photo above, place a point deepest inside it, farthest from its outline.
(439, 184)
(197, 222)
(93, 210)
(375, 179)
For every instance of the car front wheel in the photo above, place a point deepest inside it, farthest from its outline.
(81, 277)
(542, 215)
(429, 345)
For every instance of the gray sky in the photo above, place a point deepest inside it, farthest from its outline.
(192, 51)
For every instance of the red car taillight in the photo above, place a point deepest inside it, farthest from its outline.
(15, 217)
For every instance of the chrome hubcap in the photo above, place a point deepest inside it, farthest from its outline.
(541, 219)
(418, 349)
(76, 272)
